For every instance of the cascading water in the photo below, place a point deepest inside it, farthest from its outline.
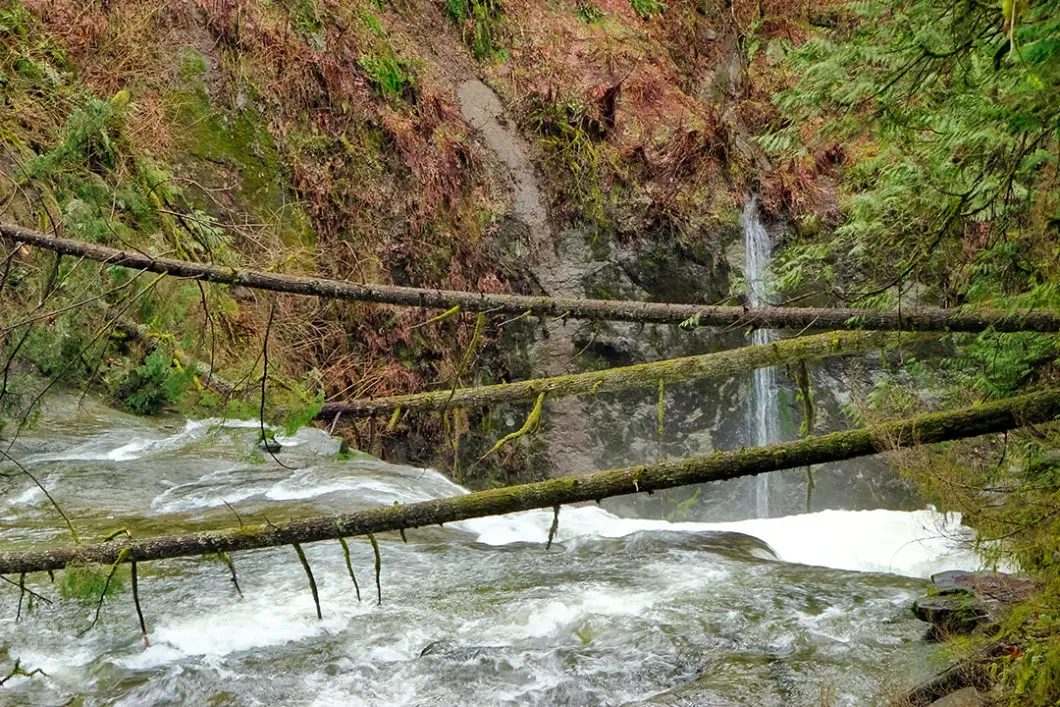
(619, 610)
(763, 416)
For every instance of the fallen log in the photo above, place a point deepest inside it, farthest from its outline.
(712, 365)
(999, 416)
(923, 319)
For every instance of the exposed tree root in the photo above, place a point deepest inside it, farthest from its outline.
(309, 575)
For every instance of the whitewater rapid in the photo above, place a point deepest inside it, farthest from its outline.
(755, 612)
(909, 543)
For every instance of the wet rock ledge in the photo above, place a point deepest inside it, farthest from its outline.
(965, 603)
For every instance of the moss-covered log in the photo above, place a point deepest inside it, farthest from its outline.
(923, 319)
(1038, 408)
(644, 375)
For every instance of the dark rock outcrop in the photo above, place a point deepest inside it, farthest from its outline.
(961, 602)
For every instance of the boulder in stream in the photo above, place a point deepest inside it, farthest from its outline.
(961, 602)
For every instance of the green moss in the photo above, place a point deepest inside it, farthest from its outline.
(307, 20)
(88, 581)
(238, 143)
(192, 64)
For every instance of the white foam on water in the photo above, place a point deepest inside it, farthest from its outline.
(31, 495)
(273, 617)
(380, 487)
(101, 449)
(546, 618)
(226, 485)
(128, 452)
(909, 543)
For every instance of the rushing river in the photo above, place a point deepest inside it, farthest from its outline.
(805, 610)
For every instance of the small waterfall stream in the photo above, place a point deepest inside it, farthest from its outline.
(763, 415)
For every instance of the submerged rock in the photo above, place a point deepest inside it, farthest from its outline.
(447, 649)
(731, 544)
(966, 697)
(271, 446)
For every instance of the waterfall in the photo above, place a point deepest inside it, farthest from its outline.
(763, 417)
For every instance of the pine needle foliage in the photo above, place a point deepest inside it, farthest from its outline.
(945, 117)
(950, 112)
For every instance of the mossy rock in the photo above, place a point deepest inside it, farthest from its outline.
(952, 613)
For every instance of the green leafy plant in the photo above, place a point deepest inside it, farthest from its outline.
(571, 135)
(390, 77)
(946, 117)
(93, 138)
(646, 9)
(155, 384)
(481, 22)
(589, 12)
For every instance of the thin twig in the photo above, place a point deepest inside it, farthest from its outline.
(378, 568)
(136, 603)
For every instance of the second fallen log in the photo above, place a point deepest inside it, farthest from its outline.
(712, 365)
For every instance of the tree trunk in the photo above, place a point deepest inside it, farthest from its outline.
(924, 319)
(1037, 408)
(712, 365)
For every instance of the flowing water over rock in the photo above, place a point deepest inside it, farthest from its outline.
(559, 265)
(620, 610)
(763, 412)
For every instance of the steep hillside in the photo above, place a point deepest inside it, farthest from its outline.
(328, 137)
